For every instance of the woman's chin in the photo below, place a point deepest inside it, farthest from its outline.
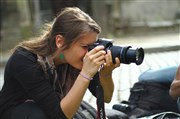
(79, 67)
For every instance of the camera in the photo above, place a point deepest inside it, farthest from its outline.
(126, 54)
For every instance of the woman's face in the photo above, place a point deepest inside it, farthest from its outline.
(75, 54)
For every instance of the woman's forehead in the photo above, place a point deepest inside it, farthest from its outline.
(89, 38)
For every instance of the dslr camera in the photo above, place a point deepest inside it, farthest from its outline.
(126, 54)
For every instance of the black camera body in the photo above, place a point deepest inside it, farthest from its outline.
(126, 55)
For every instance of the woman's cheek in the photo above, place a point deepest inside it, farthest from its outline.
(84, 51)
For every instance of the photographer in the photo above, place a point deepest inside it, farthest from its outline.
(47, 77)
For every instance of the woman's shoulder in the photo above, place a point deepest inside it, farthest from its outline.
(21, 60)
(24, 53)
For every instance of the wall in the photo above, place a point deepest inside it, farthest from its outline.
(150, 10)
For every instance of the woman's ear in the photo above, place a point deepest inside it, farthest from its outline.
(59, 41)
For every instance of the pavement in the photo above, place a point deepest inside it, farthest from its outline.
(156, 42)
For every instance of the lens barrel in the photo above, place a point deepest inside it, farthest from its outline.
(127, 54)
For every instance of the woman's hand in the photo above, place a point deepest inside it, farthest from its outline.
(109, 66)
(93, 60)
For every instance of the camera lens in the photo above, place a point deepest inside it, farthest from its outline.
(127, 54)
(135, 55)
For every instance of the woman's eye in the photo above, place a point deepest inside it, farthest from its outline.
(86, 46)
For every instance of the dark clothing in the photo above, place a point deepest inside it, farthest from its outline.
(24, 79)
(28, 110)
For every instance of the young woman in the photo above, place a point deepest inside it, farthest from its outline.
(47, 77)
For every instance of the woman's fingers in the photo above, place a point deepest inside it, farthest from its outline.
(97, 55)
(96, 49)
(108, 58)
(117, 60)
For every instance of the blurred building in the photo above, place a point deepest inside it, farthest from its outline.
(21, 19)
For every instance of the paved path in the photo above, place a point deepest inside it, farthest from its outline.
(151, 41)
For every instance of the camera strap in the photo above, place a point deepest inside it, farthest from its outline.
(100, 100)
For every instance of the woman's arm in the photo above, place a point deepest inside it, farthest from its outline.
(71, 102)
(106, 76)
(108, 87)
(175, 86)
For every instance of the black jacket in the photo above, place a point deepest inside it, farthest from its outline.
(24, 79)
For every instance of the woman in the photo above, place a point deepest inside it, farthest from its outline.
(48, 77)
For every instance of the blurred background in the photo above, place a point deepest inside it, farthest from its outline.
(151, 24)
(21, 19)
